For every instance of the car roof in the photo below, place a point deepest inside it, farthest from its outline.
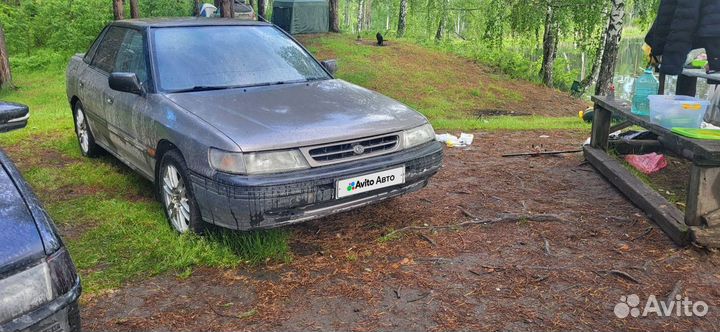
(165, 22)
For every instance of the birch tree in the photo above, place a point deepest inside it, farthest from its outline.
(262, 4)
(402, 18)
(442, 26)
(550, 40)
(610, 49)
(334, 16)
(360, 16)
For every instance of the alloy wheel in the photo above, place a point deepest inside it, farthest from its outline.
(82, 130)
(175, 198)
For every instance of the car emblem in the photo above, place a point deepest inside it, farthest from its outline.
(358, 149)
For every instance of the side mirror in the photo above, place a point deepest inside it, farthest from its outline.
(13, 116)
(330, 65)
(125, 82)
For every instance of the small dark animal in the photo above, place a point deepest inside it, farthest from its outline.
(380, 39)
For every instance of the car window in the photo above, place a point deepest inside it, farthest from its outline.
(131, 56)
(229, 56)
(93, 48)
(107, 51)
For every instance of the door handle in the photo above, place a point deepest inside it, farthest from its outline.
(82, 84)
(109, 100)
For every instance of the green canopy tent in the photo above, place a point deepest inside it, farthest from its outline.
(301, 16)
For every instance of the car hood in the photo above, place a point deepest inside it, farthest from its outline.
(20, 241)
(300, 114)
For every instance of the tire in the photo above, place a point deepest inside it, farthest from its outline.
(86, 140)
(176, 195)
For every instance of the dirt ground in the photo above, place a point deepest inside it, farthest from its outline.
(350, 272)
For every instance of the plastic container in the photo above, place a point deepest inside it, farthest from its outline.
(645, 85)
(677, 111)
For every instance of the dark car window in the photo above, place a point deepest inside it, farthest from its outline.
(107, 51)
(93, 48)
(131, 56)
(229, 56)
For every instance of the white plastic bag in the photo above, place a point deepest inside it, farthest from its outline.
(454, 141)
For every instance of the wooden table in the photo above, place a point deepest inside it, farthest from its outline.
(703, 194)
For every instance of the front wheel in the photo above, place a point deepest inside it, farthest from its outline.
(86, 140)
(176, 195)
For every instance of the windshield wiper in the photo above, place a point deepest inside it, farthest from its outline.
(203, 88)
(224, 87)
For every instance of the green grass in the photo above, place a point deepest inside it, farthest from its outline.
(115, 229)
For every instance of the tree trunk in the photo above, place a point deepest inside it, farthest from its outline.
(610, 52)
(196, 11)
(261, 7)
(134, 9)
(368, 14)
(347, 14)
(5, 74)
(225, 7)
(403, 18)
(440, 33)
(591, 79)
(334, 16)
(360, 18)
(550, 40)
(118, 9)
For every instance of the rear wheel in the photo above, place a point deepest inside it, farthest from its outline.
(176, 195)
(86, 140)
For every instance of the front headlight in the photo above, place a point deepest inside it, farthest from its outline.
(24, 291)
(257, 162)
(419, 135)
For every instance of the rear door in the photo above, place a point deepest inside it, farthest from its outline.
(127, 112)
(94, 85)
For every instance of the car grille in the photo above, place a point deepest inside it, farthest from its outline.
(351, 150)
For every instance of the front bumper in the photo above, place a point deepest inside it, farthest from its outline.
(267, 201)
(59, 315)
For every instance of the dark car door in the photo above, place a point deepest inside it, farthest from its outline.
(126, 112)
(93, 82)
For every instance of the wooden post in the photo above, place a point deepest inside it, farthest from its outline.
(703, 194)
(600, 128)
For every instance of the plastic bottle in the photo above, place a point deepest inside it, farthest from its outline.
(645, 85)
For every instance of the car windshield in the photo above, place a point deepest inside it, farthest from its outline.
(217, 57)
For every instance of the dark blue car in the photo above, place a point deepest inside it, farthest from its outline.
(39, 286)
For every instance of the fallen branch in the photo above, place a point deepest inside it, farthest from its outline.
(419, 298)
(476, 221)
(547, 247)
(622, 274)
(644, 234)
(243, 315)
(539, 153)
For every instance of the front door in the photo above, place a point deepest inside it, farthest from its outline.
(126, 112)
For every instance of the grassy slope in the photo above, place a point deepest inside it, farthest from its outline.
(115, 229)
(447, 89)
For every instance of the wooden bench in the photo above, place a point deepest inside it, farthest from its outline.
(701, 220)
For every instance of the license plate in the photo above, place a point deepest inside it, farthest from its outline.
(369, 182)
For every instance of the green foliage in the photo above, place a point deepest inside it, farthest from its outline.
(37, 28)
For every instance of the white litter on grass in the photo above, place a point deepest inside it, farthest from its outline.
(454, 141)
